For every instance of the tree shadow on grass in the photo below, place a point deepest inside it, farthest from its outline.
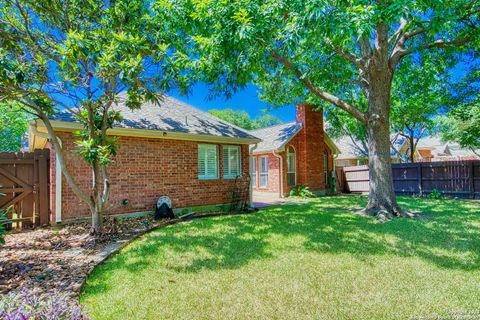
(448, 238)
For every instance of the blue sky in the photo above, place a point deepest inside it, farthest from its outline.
(246, 100)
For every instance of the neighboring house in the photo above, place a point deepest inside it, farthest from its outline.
(169, 149)
(292, 154)
(352, 153)
(432, 148)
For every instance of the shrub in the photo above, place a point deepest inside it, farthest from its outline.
(435, 194)
(301, 191)
(3, 223)
(26, 304)
(3, 226)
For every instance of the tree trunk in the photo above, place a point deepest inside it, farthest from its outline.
(97, 214)
(381, 193)
(97, 222)
(382, 199)
(412, 149)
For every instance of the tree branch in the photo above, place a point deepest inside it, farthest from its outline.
(399, 52)
(345, 54)
(363, 149)
(59, 151)
(475, 152)
(440, 44)
(409, 35)
(357, 114)
(399, 32)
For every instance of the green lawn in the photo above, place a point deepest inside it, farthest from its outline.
(311, 261)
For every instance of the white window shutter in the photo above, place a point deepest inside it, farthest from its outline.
(207, 161)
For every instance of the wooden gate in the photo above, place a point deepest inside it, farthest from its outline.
(25, 187)
(340, 185)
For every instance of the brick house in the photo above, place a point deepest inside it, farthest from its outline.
(169, 149)
(292, 154)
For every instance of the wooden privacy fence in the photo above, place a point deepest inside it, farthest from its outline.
(24, 182)
(453, 178)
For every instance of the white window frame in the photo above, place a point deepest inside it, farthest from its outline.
(289, 154)
(253, 170)
(263, 160)
(227, 170)
(205, 159)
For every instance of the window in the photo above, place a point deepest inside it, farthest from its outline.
(291, 167)
(253, 170)
(231, 162)
(263, 172)
(207, 161)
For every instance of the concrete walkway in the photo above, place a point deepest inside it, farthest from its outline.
(267, 199)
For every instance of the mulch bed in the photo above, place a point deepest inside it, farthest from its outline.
(55, 259)
(59, 259)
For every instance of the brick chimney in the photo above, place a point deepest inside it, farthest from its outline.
(311, 147)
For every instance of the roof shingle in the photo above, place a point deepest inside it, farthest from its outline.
(275, 137)
(171, 115)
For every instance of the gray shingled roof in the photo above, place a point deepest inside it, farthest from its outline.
(171, 115)
(349, 150)
(275, 137)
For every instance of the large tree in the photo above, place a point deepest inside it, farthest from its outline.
(85, 56)
(243, 120)
(418, 95)
(311, 51)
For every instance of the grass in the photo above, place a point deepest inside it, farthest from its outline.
(312, 261)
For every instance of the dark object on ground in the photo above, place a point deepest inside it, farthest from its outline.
(164, 211)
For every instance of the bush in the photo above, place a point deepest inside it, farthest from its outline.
(301, 191)
(3, 223)
(26, 304)
(435, 194)
(3, 226)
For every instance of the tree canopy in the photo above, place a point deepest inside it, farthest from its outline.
(84, 56)
(462, 121)
(307, 51)
(13, 127)
(243, 120)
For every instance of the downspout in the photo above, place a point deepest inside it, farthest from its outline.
(281, 173)
(335, 156)
(250, 173)
(58, 174)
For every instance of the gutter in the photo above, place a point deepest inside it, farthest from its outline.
(58, 172)
(280, 172)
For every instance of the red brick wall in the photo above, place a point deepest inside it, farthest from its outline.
(143, 170)
(309, 146)
(273, 174)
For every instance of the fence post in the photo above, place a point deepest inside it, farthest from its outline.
(419, 169)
